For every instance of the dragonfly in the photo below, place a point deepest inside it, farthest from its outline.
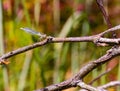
(33, 32)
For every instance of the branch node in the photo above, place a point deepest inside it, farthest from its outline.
(49, 38)
(98, 42)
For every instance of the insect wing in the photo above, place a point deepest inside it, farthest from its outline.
(30, 31)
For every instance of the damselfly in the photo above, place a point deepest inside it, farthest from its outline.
(33, 32)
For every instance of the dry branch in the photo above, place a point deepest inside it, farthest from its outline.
(110, 84)
(86, 87)
(99, 76)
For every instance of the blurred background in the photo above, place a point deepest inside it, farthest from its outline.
(53, 63)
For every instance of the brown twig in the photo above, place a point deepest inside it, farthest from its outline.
(100, 5)
(86, 87)
(110, 84)
(106, 16)
(95, 79)
(110, 30)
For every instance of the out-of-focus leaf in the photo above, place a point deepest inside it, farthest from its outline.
(24, 71)
(64, 32)
(103, 78)
(74, 58)
(64, 60)
(37, 9)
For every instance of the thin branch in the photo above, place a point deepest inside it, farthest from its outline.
(86, 87)
(106, 16)
(100, 5)
(110, 84)
(21, 50)
(95, 79)
(110, 30)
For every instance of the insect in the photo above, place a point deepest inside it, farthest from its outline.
(34, 32)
